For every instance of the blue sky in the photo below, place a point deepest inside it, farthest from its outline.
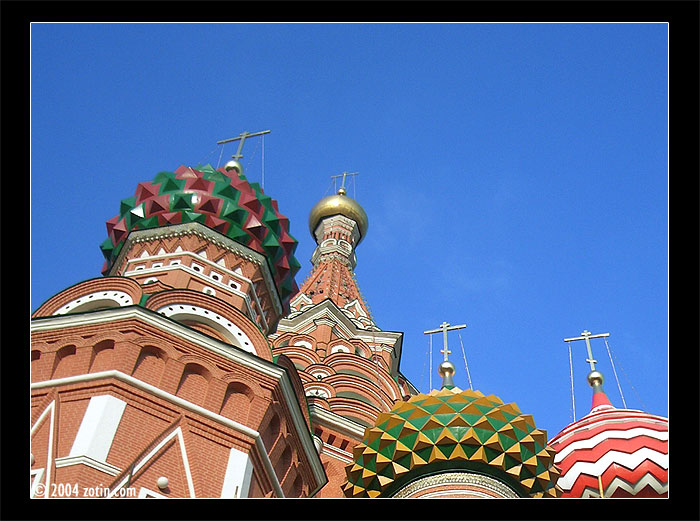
(515, 175)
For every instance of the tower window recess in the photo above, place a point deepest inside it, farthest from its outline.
(157, 265)
(175, 262)
(209, 291)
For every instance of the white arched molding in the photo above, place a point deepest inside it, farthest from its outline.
(234, 334)
(340, 348)
(316, 391)
(303, 343)
(96, 300)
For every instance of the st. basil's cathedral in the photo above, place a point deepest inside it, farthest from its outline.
(196, 367)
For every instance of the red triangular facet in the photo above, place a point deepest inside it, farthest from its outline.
(145, 191)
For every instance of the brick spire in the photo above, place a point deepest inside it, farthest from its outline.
(336, 234)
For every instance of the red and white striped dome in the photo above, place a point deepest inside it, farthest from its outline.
(627, 449)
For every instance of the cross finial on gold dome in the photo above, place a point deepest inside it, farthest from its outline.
(342, 185)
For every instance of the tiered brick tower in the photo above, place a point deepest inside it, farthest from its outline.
(349, 367)
(158, 380)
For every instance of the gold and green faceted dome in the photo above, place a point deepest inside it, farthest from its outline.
(448, 430)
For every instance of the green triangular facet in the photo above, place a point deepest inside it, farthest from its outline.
(126, 205)
(181, 202)
(107, 248)
(170, 185)
(225, 190)
(189, 217)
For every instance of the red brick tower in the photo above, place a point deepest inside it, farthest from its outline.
(158, 380)
(349, 367)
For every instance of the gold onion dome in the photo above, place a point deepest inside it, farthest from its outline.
(452, 430)
(339, 204)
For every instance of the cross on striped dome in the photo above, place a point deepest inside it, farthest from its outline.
(226, 203)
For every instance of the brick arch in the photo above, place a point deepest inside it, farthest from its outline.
(257, 342)
(102, 356)
(300, 354)
(194, 383)
(271, 430)
(150, 364)
(302, 338)
(237, 401)
(62, 366)
(90, 287)
(293, 483)
(352, 386)
(283, 462)
(371, 370)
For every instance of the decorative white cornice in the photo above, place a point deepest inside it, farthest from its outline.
(343, 425)
(167, 325)
(199, 230)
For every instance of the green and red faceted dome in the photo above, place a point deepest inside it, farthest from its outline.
(223, 201)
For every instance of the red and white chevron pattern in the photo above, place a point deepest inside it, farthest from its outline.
(627, 449)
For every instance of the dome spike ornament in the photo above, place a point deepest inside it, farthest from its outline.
(446, 369)
(235, 163)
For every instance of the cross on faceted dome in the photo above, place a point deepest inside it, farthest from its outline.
(446, 369)
(242, 138)
(444, 328)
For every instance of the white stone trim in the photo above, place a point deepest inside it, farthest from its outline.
(183, 453)
(102, 466)
(239, 471)
(334, 420)
(38, 474)
(98, 428)
(51, 412)
(88, 301)
(145, 493)
(178, 310)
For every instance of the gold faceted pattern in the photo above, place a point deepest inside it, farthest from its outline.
(452, 425)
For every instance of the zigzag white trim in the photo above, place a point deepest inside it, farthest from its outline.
(602, 436)
(648, 480)
(561, 438)
(596, 468)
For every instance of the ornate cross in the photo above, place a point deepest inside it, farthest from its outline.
(242, 138)
(444, 328)
(586, 335)
(343, 175)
